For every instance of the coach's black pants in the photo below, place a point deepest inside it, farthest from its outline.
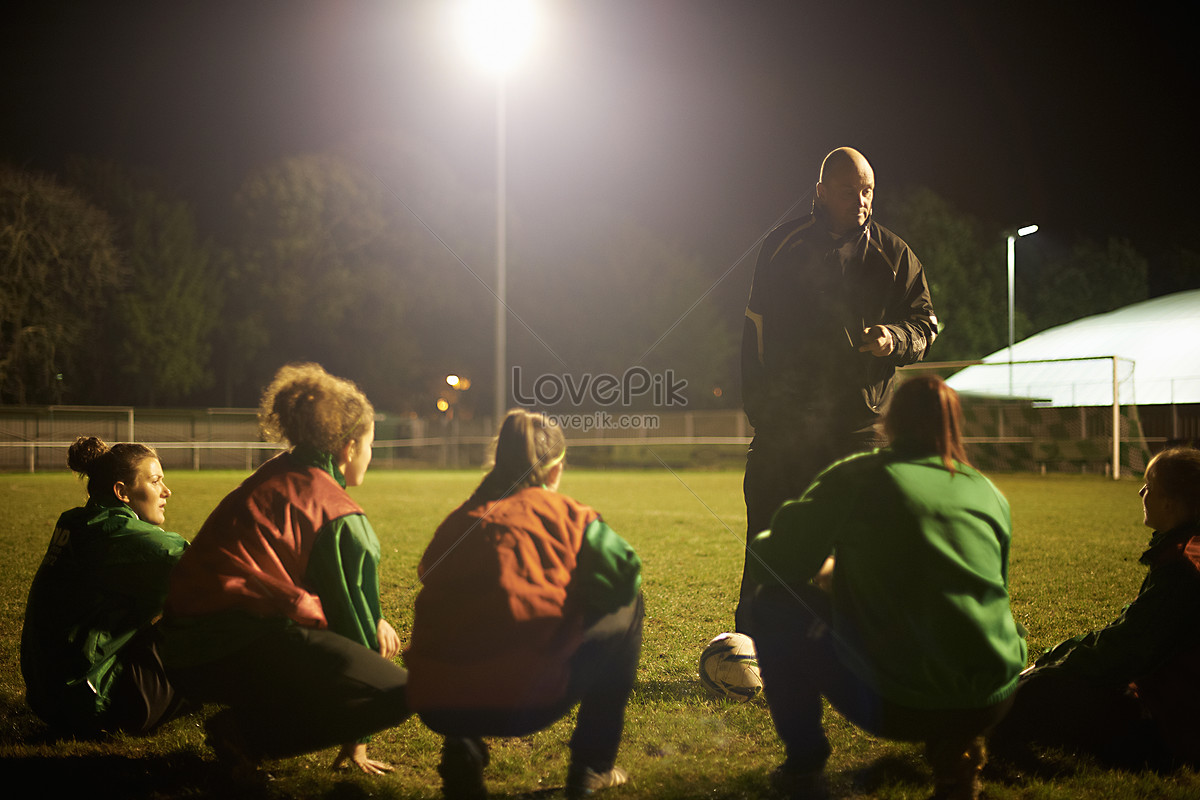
(301, 689)
(779, 467)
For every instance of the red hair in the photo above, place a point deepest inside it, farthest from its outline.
(925, 418)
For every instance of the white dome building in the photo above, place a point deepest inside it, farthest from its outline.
(1053, 404)
(1156, 344)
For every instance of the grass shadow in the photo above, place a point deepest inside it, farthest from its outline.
(18, 724)
(659, 691)
(188, 776)
(887, 770)
(98, 776)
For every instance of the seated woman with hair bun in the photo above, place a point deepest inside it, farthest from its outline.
(88, 646)
(274, 611)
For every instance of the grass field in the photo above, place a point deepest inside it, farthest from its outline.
(1074, 564)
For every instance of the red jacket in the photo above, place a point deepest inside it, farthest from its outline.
(252, 552)
(498, 616)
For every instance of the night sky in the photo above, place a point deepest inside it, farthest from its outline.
(706, 120)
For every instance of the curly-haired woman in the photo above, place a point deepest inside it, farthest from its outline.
(274, 611)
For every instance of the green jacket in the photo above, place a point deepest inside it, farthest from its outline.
(920, 588)
(103, 580)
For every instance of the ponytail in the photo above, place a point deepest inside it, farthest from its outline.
(527, 449)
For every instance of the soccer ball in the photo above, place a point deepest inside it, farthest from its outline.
(729, 668)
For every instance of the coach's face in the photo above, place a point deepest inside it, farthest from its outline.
(846, 193)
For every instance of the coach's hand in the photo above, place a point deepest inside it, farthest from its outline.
(389, 640)
(877, 340)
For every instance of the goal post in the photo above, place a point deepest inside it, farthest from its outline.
(1060, 413)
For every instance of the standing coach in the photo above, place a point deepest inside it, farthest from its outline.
(838, 302)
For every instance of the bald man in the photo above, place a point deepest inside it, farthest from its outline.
(838, 302)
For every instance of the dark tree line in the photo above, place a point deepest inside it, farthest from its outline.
(966, 264)
(111, 294)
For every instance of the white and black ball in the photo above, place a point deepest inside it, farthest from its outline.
(729, 668)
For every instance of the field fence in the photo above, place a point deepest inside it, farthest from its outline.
(1003, 434)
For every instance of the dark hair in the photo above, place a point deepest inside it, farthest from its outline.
(105, 465)
(1177, 472)
(524, 453)
(304, 404)
(925, 418)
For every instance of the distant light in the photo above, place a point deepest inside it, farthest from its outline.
(442, 404)
(497, 33)
(717, 391)
(452, 380)
(1028, 229)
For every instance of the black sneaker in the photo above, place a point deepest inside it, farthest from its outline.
(235, 756)
(799, 784)
(461, 768)
(956, 770)
(583, 781)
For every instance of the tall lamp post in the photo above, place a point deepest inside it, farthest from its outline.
(497, 34)
(1012, 265)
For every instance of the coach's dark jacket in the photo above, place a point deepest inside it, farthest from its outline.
(813, 294)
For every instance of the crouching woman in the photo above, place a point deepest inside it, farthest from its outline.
(274, 611)
(916, 639)
(530, 604)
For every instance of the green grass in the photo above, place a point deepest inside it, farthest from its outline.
(1074, 564)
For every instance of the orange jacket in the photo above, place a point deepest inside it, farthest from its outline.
(252, 552)
(504, 599)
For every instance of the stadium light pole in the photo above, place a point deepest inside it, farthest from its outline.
(1012, 268)
(497, 34)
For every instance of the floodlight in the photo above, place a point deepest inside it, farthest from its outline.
(497, 33)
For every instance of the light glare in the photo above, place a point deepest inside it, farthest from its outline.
(1028, 229)
(497, 33)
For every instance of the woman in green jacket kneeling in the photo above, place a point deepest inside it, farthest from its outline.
(915, 639)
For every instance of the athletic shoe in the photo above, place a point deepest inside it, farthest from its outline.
(583, 781)
(956, 770)
(224, 736)
(461, 768)
(799, 784)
